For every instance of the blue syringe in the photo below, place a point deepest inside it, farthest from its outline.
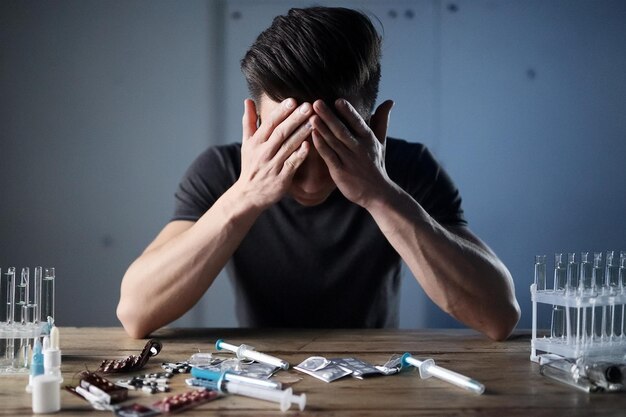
(285, 398)
(427, 368)
(230, 377)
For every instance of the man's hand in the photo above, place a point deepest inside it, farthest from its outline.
(353, 152)
(271, 153)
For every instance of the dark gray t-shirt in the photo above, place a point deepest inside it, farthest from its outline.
(322, 266)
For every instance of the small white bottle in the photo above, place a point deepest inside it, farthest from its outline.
(46, 394)
(52, 355)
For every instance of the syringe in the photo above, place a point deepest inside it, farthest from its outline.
(283, 397)
(248, 352)
(232, 377)
(427, 368)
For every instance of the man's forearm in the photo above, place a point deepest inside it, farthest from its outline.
(457, 271)
(174, 272)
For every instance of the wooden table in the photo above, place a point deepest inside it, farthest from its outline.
(514, 385)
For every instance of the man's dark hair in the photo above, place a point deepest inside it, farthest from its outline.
(316, 53)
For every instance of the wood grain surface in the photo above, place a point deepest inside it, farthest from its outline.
(514, 385)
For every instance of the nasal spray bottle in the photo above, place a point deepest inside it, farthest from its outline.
(36, 366)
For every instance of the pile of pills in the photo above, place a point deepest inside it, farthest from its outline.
(149, 383)
(177, 367)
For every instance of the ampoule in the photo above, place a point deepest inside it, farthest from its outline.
(560, 273)
(611, 276)
(584, 286)
(597, 274)
(596, 281)
(622, 271)
(540, 272)
(558, 312)
(611, 284)
(572, 319)
(585, 271)
(572, 273)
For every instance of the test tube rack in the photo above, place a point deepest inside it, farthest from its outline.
(26, 313)
(591, 311)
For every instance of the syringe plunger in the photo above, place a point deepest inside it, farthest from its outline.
(284, 397)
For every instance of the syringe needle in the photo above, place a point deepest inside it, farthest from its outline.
(427, 368)
(248, 352)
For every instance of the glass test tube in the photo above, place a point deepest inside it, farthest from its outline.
(558, 312)
(22, 301)
(47, 294)
(540, 272)
(36, 298)
(3, 299)
(10, 295)
(3, 322)
(8, 307)
(22, 295)
(622, 283)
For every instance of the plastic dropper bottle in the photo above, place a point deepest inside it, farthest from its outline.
(52, 355)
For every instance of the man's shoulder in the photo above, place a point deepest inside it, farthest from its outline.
(226, 152)
(401, 149)
(217, 162)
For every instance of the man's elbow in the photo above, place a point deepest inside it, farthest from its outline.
(503, 325)
(131, 321)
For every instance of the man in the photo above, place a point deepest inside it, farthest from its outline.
(313, 212)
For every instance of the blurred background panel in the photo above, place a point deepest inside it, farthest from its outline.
(104, 104)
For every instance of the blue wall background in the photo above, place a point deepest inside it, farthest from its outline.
(105, 103)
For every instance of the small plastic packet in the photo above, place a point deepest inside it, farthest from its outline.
(323, 369)
(359, 368)
(392, 366)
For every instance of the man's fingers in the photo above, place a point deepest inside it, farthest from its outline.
(293, 142)
(380, 120)
(289, 127)
(326, 152)
(248, 121)
(335, 126)
(326, 135)
(352, 117)
(296, 159)
(280, 113)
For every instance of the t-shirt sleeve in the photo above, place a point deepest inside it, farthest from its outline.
(414, 168)
(212, 173)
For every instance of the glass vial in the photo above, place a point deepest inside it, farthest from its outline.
(558, 312)
(540, 272)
